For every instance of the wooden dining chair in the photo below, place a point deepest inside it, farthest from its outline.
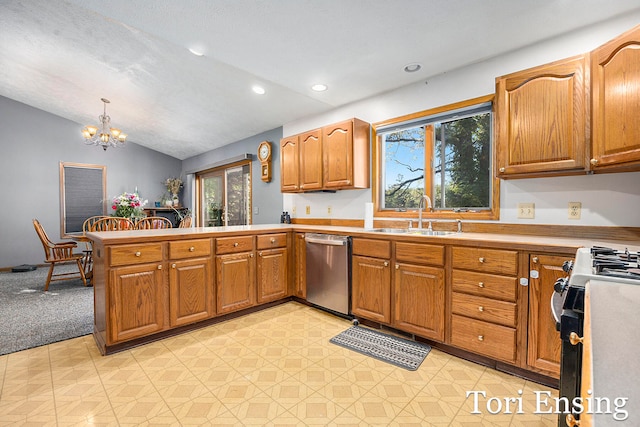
(87, 262)
(56, 253)
(112, 223)
(186, 222)
(152, 222)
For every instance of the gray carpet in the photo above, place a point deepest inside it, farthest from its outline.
(388, 348)
(30, 317)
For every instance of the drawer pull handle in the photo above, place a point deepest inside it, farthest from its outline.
(481, 259)
(386, 264)
(481, 308)
(273, 240)
(502, 170)
(251, 255)
(173, 266)
(235, 244)
(481, 284)
(160, 267)
(138, 253)
(535, 259)
(191, 249)
(574, 339)
(480, 337)
(594, 162)
(397, 266)
(571, 420)
(259, 253)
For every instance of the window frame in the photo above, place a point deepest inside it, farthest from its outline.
(377, 187)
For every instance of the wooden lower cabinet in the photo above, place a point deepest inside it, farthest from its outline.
(543, 341)
(272, 275)
(190, 291)
(136, 301)
(235, 282)
(300, 266)
(418, 294)
(371, 288)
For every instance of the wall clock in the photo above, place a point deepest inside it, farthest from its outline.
(264, 155)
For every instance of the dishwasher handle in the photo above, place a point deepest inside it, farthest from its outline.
(326, 242)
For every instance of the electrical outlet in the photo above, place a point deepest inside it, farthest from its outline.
(328, 210)
(575, 209)
(256, 210)
(308, 210)
(526, 210)
(293, 211)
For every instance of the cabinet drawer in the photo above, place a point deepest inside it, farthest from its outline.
(136, 254)
(495, 341)
(269, 241)
(488, 260)
(485, 285)
(372, 248)
(189, 248)
(486, 309)
(420, 253)
(229, 245)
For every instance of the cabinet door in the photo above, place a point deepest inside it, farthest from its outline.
(300, 283)
(543, 339)
(272, 275)
(371, 289)
(337, 143)
(311, 160)
(289, 164)
(615, 73)
(541, 119)
(235, 282)
(137, 301)
(190, 291)
(419, 300)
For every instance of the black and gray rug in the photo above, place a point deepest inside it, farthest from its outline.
(388, 348)
(30, 317)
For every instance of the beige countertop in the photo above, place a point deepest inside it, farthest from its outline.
(517, 241)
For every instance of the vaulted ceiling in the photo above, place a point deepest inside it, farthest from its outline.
(63, 56)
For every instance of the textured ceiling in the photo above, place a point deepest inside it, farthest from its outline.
(63, 56)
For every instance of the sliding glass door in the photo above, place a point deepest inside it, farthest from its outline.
(225, 196)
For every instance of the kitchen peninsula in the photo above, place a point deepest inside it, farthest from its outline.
(150, 284)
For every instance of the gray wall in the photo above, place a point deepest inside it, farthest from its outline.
(266, 197)
(33, 143)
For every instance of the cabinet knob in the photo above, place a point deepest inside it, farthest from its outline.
(481, 259)
(251, 255)
(574, 339)
(594, 162)
(502, 170)
(480, 337)
(235, 245)
(534, 259)
(191, 249)
(386, 264)
(571, 420)
(259, 253)
(138, 253)
(480, 308)
(397, 266)
(160, 267)
(173, 266)
(481, 284)
(273, 240)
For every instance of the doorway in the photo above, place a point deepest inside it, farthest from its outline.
(224, 196)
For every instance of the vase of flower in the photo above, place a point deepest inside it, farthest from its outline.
(176, 201)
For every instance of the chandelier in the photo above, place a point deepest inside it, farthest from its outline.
(104, 136)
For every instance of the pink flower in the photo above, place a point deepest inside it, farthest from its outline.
(114, 207)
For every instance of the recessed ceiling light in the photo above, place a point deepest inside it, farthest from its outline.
(196, 52)
(412, 68)
(319, 87)
(258, 89)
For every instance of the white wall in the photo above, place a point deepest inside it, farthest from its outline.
(607, 199)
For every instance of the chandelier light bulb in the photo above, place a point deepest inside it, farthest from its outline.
(108, 136)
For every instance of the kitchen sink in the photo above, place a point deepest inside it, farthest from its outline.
(389, 230)
(432, 232)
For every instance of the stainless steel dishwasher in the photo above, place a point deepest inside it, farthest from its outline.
(329, 271)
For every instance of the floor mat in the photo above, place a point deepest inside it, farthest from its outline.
(388, 348)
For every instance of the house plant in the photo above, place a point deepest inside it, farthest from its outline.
(173, 187)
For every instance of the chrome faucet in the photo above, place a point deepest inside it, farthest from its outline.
(421, 207)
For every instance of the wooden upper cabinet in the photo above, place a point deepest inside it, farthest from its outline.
(542, 120)
(310, 159)
(346, 155)
(615, 75)
(289, 164)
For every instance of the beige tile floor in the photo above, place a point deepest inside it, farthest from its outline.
(275, 367)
